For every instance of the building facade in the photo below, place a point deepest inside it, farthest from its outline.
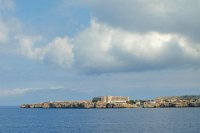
(112, 99)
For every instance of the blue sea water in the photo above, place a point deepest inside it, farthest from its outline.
(140, 120)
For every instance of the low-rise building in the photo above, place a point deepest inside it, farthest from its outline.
(112, 99)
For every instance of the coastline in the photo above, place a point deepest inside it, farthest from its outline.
(160, 102)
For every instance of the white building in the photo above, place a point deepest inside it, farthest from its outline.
(112, 99)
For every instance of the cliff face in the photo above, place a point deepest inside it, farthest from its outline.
(77, 104)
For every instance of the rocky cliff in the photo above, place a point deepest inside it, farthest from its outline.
(77, 104)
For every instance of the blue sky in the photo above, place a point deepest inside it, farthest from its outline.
(66, 50)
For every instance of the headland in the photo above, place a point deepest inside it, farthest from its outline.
(122, 102)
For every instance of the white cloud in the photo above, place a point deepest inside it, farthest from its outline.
(102, 48)
(59, 51)
(8, 27)
(6, 92)
(27, 47)
(164, 16)
(20, 91)
(92, 45)
(106, 49)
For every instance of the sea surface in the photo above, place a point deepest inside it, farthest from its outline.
(140, 120)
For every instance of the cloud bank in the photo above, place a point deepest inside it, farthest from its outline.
(133, 36)
(127, 47)
(101, 48)
(166, 16)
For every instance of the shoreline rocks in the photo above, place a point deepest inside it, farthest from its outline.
(77, 104)
(118, 102)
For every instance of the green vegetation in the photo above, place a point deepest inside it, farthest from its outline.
(94, 101)
(131, 102)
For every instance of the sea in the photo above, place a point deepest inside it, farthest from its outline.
(135, 120)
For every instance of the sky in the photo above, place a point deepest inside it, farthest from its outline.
(58, 50)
